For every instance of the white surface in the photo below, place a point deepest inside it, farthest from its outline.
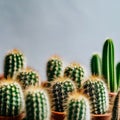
(73, 29)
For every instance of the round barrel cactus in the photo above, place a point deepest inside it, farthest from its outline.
(11, 98)
(54, 68)
(96, 89)
(14, 61)
(28, 77)
(75, 72)
(37, 104)
(60, 90)
(78, 107)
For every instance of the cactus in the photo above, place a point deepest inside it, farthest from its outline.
(11, 98)
(96, 89)
(78, 107)
(13, 63)
(118, 75)
(28, 77)
(108, 65)
(60, 90)
(116, 107)
(54, 68)
(37, 104)
(96, 65)
(75, 72)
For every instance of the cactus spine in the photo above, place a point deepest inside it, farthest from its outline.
(13, 63)
(60, 90)
(96, 89)
(116, 107)
(37, 104)
(75, 72)
(28, 77)
(96, 65)
(108, 65)
(78, 107)
(11, 98)
(118, 75)
(54, 68)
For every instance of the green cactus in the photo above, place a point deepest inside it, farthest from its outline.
(28, 77)
(96, 65)
(118, 75)
(37, 104)
(13, 63)
(11, 98)
(116, 107)
(78, 107)
(75, 72)
(54, 68)
(60, 90)
(108, 65)
(96, 89)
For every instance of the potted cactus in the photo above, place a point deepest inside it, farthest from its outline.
(76, 73)
(37, 104)
(97, 93)
(14, 61)
(60, 90)
(11, 100)
(78, 107)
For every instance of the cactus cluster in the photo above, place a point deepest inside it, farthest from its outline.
(118, 75)
(11, 98)
(14, 61)
(60, 90)
(75, 72)
(54, 68)
(96, 89)
(37, 104)
(96, 65)
(28, 77)
(78, 107)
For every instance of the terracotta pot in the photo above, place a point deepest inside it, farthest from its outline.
(1, 76)
(57, 115)
(18, 117)
(106, 116)
(112, 96)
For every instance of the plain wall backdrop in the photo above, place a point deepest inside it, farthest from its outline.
(72, 29)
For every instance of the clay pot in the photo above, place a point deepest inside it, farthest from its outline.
(1, 76)
(106, 116)
(57, 115)
(18, 117)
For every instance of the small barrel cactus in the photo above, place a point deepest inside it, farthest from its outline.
(96, 65)
(96, 89)
(116, 107)
(11, 98)
(54, 68)
(28, 77)
(13, 63)
(118, 75)
(37, 104)
(75, 72)
(78, 107)
(60, 90)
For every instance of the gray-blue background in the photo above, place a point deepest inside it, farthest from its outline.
(73, 29)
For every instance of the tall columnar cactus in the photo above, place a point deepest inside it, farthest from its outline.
(78, 107)
(37, 104)
(96, 89)
(60, 90)
(116, 107)
(54, 68)
(108, 65)
(13, 63)
(28, 77)
(11, 98)
(118, 75)
(96, 65)
(75, 72)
